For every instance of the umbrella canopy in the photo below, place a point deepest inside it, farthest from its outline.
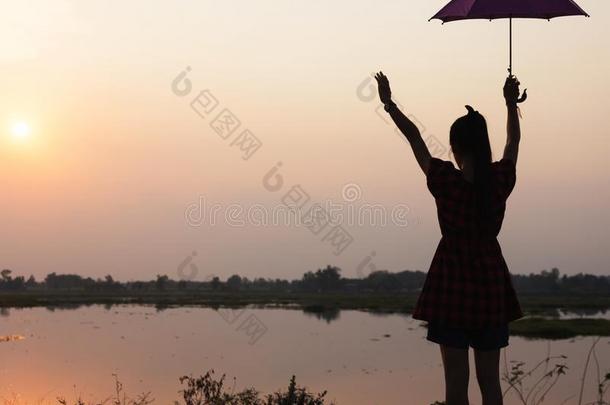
(492, 9)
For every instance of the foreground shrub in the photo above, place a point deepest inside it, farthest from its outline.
(206, 390)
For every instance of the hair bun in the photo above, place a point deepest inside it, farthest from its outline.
(471, 110)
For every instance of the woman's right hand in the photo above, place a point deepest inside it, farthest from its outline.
(511, 91)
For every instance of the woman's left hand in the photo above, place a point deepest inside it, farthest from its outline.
(385, 93)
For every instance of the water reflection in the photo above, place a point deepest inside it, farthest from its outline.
(359, 357)
(320, 311)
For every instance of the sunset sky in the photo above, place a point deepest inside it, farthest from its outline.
(100, 160)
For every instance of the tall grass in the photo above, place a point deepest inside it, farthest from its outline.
(533, 385)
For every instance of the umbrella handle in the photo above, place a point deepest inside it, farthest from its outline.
(510, 46)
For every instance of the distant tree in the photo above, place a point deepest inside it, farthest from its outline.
(309, 282)
(66, 281)
(234, 282)
(322, 280)
(31, 282)
(110, 284)
(329, 278)
(259, 283)
(555, 274)
(161, 283)
(7, 282)
(18, 283)
(6, 274)
(215, 283)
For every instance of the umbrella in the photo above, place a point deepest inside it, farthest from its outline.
(492, 9)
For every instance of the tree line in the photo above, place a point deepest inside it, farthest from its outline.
(323, 280)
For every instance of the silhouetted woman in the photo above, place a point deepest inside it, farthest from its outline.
(468, 298)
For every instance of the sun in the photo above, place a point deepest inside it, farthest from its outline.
(20, 130)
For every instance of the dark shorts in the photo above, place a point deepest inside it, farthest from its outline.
(480, 339)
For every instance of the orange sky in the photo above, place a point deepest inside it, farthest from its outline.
(114, 157)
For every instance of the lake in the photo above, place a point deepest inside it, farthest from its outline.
(358, 357)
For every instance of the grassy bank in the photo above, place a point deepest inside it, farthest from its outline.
(403, 302)
(537, 327)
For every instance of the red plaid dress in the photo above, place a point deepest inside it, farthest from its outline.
(468, 284)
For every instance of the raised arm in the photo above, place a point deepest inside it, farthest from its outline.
(404, 124)
(513, 129)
